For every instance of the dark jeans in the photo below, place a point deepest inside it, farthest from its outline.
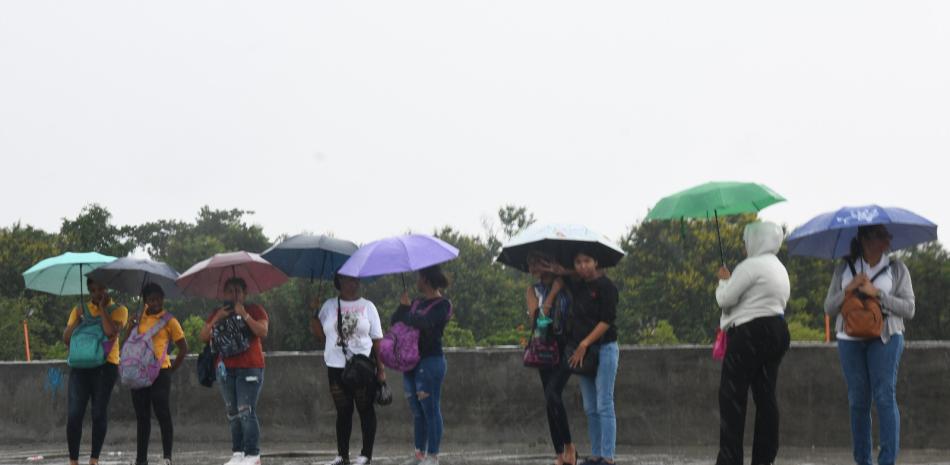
(345, 398)
(87, 384)
(753, 354)
(240, 388)
(423, 388)
(553, 380)
(144, 401)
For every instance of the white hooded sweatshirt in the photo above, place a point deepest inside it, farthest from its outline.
(759, 285)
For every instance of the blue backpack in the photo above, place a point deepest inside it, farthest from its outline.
(87, 345)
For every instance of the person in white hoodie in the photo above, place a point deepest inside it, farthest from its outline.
(753, 300)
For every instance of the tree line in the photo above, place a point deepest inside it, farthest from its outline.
(666, 282)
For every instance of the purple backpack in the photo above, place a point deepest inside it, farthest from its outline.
(399, 348)
(138, 366)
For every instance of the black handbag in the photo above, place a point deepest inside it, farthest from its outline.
(384, 395)
(205, 366)
(360, 370)
(588, 365)
(231, 336)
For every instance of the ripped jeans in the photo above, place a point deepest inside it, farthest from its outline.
(240, 389)
(423, 388)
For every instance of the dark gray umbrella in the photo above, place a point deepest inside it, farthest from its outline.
(310, 256)
(129, 275)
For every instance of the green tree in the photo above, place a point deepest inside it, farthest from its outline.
(92, 230)
(660, 334)
(20, 248)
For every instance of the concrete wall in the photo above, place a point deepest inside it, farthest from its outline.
(665, 397)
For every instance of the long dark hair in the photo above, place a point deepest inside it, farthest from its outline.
(856, 250)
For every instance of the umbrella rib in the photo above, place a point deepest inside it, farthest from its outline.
(251, 275)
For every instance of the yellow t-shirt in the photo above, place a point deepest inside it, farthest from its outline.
(120, 316)
(172, 331)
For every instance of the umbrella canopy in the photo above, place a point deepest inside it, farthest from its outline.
(561, 241)
(398, 254)
(207, 277)
(829, 235)
(714, 198)
(130, 274)
(310, 256)
(64, 274)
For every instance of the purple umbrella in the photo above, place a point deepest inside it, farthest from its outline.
(398, 254)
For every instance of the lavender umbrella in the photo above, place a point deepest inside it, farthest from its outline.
(398, 254)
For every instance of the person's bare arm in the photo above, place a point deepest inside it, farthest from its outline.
(182, 346)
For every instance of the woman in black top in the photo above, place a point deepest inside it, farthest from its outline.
(591, 327)
(423, 384)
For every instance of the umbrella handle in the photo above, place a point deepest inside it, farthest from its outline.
(722, 256)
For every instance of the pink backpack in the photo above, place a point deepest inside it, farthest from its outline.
(399, 348)
(138, 366)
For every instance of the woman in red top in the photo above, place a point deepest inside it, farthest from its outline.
(241, 375)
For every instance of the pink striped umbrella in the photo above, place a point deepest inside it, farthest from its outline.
(206, 278)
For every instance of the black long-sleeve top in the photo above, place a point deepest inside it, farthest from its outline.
(430, 324)
(594, 302)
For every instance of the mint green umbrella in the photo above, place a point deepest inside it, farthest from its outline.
(64, 274)
(713, 199)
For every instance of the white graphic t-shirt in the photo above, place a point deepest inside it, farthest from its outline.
(360, 326)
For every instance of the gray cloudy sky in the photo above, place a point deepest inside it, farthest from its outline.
(374, 117)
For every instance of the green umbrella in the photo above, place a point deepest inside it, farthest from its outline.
(714, 199)
(64, 274)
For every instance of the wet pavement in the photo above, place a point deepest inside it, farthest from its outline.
(299, 454)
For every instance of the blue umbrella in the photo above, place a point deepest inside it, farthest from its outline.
(829, 235)
(130, 274)
(310, 256)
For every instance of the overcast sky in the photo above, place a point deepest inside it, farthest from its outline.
(371, 118)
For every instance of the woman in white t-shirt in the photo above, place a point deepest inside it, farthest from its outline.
(360, 334)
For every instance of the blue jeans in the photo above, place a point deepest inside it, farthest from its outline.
(240, 389)
(598, 394)
(870, 369)
(423, 388)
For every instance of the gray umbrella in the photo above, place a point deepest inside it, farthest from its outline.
(310, 256)
(129, 275)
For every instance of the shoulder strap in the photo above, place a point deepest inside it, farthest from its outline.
(879, 273)
(158, 326)
(339, 327)
(851, 266)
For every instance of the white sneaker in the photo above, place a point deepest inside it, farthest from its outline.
(337, 461)
(429, 460)
(236, 459)
(361, 460)
(251, 460)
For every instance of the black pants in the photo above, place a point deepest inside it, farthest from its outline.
(144, 401)
(753, 354)
(87, 384)
(553, 381)
(345, 399)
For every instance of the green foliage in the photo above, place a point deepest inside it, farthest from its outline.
(666, 283)
(93, 230)
(507, 337)
(659, 335)
(800, 330)
(456, 336)
(191, 326)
